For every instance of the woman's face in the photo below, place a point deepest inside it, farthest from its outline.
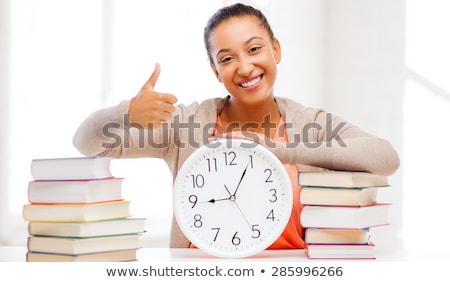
(245, 59)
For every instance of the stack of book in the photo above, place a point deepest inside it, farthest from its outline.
(340, 209)
(76, 212)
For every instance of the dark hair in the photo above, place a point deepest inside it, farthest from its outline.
(225, 13)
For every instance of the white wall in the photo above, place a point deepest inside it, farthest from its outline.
(301, 29)
(4, 106)
(426, 116)
(364, 77)
(365, 62)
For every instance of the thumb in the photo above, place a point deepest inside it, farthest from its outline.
(151, 82)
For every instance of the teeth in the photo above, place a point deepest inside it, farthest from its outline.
(252, 82)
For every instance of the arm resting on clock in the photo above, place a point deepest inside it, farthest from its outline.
(366, 153)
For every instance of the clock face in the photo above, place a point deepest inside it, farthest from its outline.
(232, 198)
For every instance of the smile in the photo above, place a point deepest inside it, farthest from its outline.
(252, 82)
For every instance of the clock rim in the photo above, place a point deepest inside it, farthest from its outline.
(187, 231)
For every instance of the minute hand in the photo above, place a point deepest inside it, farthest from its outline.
(240, 180)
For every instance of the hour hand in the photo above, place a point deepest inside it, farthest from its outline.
(217, 200)
(231, 197)
(226, 188)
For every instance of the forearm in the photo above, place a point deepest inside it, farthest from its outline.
(369, 154)
(102, 131)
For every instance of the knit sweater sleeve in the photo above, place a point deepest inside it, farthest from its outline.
(321, 139)
(108, 132)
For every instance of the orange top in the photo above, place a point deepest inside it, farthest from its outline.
(292, 236)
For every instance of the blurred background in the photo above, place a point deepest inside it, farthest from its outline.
(383, 65)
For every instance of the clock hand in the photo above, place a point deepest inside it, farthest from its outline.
(226, 188)
(218, 200)
(245, 218)
(240, 180)
(231, 198)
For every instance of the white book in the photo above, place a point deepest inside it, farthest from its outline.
(110, 256)
(342, 179)
(76, 168)
(75, 191)
(345, 216)
(79, 246)
(76, 212)
(78, 229)
(340, 251)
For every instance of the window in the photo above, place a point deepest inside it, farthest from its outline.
(54, 79)
(69, 58)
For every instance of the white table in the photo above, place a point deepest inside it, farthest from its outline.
(17, 254)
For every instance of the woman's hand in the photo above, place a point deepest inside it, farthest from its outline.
(150, 109)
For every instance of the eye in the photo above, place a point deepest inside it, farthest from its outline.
(254, 49)
(225, 59)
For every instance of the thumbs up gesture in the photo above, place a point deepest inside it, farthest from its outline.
(149, 108)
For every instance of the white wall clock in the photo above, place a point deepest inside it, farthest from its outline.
(232, 198)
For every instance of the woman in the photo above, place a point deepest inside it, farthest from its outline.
(243, 54)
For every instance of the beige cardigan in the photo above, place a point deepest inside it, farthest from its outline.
(316, 139)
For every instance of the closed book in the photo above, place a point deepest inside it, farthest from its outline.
(337, 236)
(344, 179)
(345, 216)
(110, 256)
(76, 168)
(77, 246)
(128, 225)
(340, 251)
(74, 191)
(76, 212)
(328, 196)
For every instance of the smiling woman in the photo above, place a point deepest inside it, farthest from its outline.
(247, 68)
(244, 59)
